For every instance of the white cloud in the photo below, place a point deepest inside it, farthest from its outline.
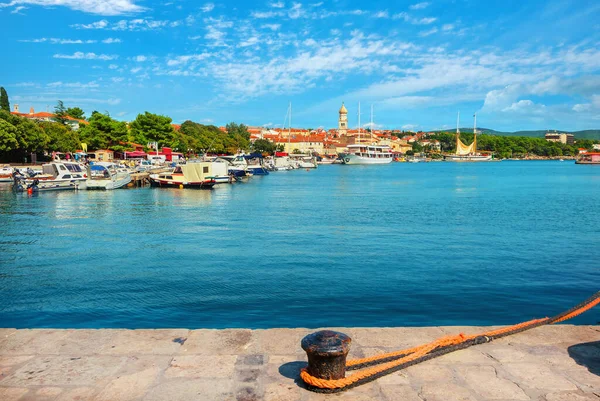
(117, 79)
(57, 41)
(86, 56)
(412, 20)
(420, 6)
(111, 40)
(140, 58)
(113, 66)
(136, 70)
(278, 4)
(447, 27)
(208, 7)
(179, 60)
(76, 85)
(101, 7)
(428, 32)
(273, 27)
(410, 127)
(381, 14)
(138, 24)
(18, 9)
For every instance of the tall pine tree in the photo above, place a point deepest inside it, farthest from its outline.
(4, 105)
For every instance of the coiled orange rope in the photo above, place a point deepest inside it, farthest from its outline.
(410, 355)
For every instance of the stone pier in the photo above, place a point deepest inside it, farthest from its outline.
(552, 363)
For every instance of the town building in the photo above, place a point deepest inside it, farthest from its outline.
(46, 116)
(568, 139)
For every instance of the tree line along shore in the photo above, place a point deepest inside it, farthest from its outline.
(21, 136)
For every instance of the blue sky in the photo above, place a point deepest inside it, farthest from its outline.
(518, 64)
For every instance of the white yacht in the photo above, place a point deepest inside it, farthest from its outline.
(107, 175)
(60, 176)
(6, 173)
(366, 154)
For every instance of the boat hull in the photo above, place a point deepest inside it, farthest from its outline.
(468, 158)
(156, 182)
(258, 170)
(60, 185)
(348, 158)
(108, 184)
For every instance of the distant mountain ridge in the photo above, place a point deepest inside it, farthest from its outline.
(585, 134)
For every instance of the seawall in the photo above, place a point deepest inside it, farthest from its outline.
(550, 363)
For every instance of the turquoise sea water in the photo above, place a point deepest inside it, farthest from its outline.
(395, 245)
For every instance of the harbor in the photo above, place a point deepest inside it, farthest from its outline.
(552, 363)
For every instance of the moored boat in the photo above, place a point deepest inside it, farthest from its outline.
(6, 173)
(191, 175)
(467, 153)
(107, 176)
(367, 154)
(60, 176)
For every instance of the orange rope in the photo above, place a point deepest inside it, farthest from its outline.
(414, 353)
(578, 311)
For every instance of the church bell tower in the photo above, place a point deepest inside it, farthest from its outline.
(343, 121)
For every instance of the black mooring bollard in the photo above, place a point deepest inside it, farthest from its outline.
(326, 351)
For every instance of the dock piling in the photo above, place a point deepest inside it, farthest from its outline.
(327, 351)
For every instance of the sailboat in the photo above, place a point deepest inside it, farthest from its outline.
(281, 160)
(467, 153)
(367, 154)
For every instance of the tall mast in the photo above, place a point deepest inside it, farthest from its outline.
(457, 124)
(290, 129)
(359, 122)
(475, 124)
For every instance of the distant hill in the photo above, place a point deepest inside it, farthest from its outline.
(585, 134)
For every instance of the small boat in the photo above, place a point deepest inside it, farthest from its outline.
(6, 173)
(191, 175)
(107, 175)
(60, 176)
(255, 165)
(561, 160)
(304, 161)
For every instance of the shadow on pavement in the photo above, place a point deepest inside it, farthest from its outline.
(588, 355)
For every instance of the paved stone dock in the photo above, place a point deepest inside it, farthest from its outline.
(552, 363)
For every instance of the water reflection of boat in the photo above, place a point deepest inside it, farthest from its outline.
(191, 175)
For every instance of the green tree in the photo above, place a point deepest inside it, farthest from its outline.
(104, 132)
(60, 113)
(61, 138)
(4, 105)
(8, 136)
(149, 127)
(29, 136)
(76, 112)
(263, 146)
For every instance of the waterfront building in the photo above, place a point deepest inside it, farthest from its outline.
(46, 116)
(568, 139)
(306, 144)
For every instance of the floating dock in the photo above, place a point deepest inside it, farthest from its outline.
(550, 363)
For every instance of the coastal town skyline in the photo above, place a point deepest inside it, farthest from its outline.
(418, 63)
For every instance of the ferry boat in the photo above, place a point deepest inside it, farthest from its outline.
(366, 154)
(191, 175)
(60, 176)
(588, 158)
(107, 176)
(466, 153)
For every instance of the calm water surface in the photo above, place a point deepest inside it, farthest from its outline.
(395, 245)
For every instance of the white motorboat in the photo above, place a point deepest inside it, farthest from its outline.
(60, 176)
(107, 176)
(6, 173)
(304, 161)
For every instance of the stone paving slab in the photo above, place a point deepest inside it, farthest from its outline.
(551, 363)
